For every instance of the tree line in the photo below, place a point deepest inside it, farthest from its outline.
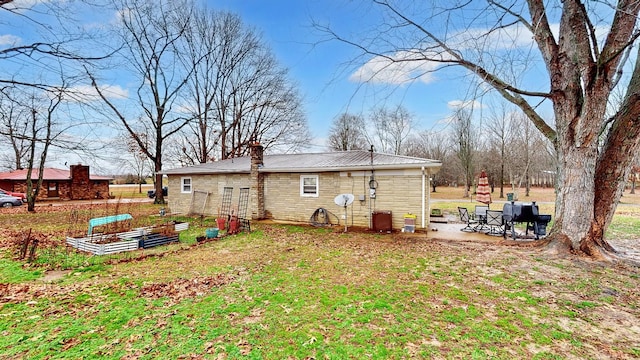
(205, 86)
(503, 144)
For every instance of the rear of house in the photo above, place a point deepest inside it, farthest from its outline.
(291, 187)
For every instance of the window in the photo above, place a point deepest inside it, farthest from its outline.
(185, 184)
(309, 186)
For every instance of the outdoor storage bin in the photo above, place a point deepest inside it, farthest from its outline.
(212, 233)
(409, 223)
(382, 221)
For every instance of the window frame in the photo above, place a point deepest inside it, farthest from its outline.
(317, 186)
(182, 185)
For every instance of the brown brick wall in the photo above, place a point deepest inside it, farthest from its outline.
(95, 189)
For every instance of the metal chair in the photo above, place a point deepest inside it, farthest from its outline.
(481, 218)
(495, 223)
(466, 218)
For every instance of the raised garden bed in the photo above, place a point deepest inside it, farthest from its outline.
(152, 240)
(146, 237)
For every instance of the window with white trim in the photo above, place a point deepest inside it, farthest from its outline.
(185, 185)
(309, 186)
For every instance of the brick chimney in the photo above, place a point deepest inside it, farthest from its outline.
(79, 182)
(257, 182)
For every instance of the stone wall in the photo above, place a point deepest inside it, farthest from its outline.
(180, 202)
(398, 191)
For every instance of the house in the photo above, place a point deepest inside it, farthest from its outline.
(291, 187)
(73, 184)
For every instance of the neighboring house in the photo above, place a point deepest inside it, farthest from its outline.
(73, 184)
(291, 187)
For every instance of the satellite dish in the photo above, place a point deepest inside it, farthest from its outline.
(344, 200)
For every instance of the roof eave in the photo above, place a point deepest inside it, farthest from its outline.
(434, 165)
(203, 172)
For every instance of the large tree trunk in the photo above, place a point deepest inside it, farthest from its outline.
(575, 199)
(580, 88)
(615, 163)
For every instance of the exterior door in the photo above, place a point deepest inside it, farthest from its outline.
(52, 189)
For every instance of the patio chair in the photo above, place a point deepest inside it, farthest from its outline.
(481, 218)
(495, 223)
(466, 218)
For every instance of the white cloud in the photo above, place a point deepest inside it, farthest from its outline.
(86, 93)
(501, 39)
(411, 65)
(464, 104)
(399, 68)
(9, 40)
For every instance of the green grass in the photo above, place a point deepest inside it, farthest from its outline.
(301, 292)
(14, 272)
(624, 227)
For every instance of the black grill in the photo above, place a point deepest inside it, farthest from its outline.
(528, 213)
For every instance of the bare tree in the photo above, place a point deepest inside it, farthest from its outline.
(464, 145)
(498, 131)
(238, 93)
(391, 128)
(49, 61)
(14, 126)
(150, 33)
(38, 125)
(347, 133)
(61, 43)
(133, 158)
(37, 129)
(43, 133)
(432, 145)
(594, 151)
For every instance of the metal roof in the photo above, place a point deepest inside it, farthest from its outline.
(47, 174)
(311, 162)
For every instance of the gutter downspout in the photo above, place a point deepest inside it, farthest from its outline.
(423, 200)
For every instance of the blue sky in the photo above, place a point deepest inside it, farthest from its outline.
(325, 70)
(322, 69)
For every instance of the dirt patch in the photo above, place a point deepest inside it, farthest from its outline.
(55, 275)
(179, 289)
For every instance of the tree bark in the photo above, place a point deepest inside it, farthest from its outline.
(595, 153)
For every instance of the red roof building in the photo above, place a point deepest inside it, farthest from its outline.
(73, 184)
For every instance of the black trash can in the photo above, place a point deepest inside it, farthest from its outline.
(541, 224)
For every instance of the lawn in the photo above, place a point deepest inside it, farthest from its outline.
(298, 292)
